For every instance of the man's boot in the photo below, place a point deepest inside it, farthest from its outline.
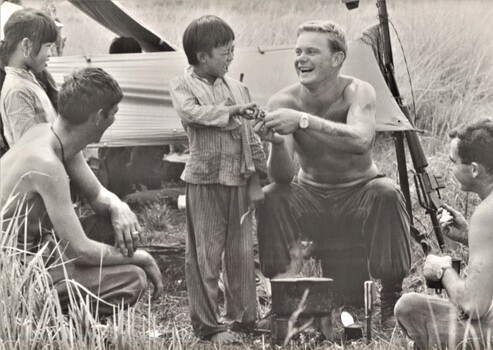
(390, 293)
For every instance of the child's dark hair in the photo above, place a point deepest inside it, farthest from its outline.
(29, 23)
(204, 34)
(85, 92)
(125, 44)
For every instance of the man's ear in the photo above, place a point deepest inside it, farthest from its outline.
(98, 116)
(201, 56)
(476, 169)
(338, 58)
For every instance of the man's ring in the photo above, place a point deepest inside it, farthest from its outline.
(136, 233)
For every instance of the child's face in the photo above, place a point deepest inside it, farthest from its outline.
(37, 63)
(216, 63)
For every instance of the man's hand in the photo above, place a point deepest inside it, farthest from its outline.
(265, 133)
(152, 271)
(434, 265)
(453, 223)
(126, 227)
(284, 121)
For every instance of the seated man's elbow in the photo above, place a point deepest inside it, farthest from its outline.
(361, 146)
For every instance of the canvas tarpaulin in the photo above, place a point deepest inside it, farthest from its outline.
(115, 17)
(147, 117)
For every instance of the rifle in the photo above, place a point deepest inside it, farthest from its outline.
(427, 185)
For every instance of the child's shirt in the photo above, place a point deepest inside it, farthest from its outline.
(218, 142)
(23, 104)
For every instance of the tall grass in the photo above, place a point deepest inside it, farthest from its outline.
(30, 313)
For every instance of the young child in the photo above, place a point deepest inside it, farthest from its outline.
(222, 176)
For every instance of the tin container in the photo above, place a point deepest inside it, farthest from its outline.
(288, 292)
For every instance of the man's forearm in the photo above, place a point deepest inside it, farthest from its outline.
(96, 254)
(337, 136)
(280, 165)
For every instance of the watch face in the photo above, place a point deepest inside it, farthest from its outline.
(439, 274)
(304, 121)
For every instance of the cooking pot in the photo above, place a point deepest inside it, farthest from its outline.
(287, 294)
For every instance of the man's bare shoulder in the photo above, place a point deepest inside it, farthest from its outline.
(482, 214)
(36, 157)
(286, 98)
(357, 88)
(480, 233)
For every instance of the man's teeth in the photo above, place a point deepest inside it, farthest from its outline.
(304, 70)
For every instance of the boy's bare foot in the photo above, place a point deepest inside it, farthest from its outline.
(227, 337)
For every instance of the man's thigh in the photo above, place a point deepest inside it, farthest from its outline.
(98, 228)
(306, 206)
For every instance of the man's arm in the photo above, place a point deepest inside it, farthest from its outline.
(104, 203)
(355, 136)
(474, 293)
(53, 187)
(280, 165)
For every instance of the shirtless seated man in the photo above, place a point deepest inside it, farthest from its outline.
(467, 314)
(36, 172)
(328, 121)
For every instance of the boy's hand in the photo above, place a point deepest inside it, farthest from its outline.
(255, 194)
(453, 223)
(250, 111)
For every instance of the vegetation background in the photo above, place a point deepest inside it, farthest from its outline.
(446, 75)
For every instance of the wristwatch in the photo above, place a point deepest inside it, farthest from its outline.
(441, 271)
(304, 121)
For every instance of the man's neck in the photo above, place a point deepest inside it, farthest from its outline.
(71, 138)
(485, 190)
(324, 93)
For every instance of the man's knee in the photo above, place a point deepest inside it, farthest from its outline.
(275, 194)
(407, 306)
(386, 190)
(136, 283)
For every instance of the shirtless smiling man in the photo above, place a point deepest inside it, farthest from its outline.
(328, 121)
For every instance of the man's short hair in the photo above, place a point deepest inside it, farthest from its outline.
(476, 142)
(336, 36)
(125, 44)
(29, 23)
(204, 34)
(87, 91)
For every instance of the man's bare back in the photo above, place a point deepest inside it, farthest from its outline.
(25, 169)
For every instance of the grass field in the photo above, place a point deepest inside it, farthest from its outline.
(449, 54)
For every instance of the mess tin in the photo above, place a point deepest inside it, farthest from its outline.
(288, 292)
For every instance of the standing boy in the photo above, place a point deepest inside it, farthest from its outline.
(222, 176)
